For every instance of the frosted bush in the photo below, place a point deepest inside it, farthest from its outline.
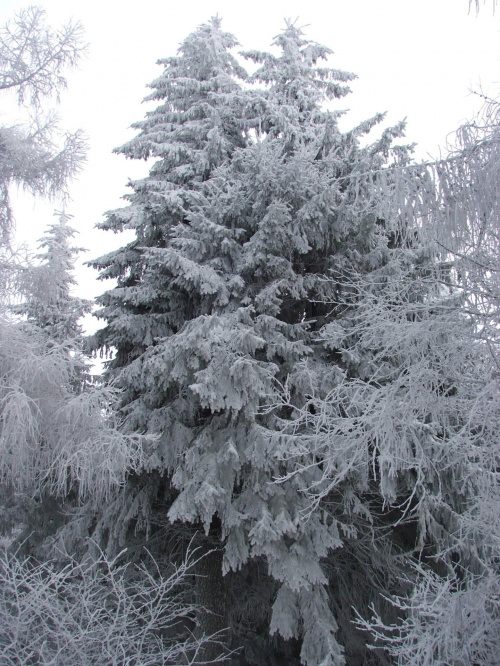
(97, 612)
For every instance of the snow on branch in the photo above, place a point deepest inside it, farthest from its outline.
(99, 612)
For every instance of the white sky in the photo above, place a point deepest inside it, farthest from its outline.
(417, 59)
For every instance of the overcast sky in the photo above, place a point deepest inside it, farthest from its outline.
(415, 59)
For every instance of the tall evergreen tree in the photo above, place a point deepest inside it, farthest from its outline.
(404, 444)
(196, 127)
(220, 312)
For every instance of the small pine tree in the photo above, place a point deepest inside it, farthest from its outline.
(49, 304)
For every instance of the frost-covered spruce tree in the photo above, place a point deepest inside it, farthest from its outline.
(47, 284)
(402, 446)
(195, 128)
(219, 311)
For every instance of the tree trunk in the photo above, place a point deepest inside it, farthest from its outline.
(211, 597)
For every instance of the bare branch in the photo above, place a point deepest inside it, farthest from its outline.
(33, 56)
(33, 59)
(98, 612)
